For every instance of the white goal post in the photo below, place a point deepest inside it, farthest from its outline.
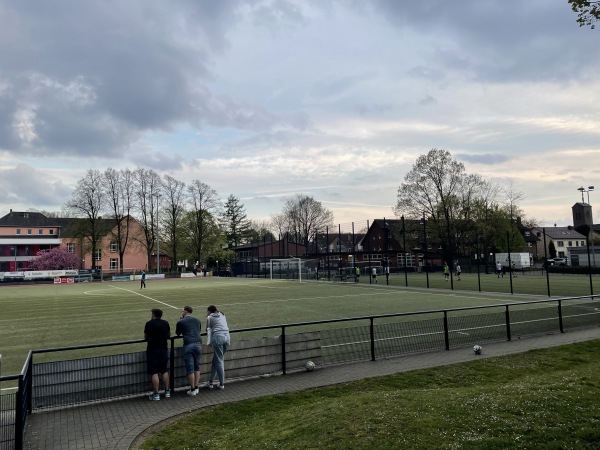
(293, 269)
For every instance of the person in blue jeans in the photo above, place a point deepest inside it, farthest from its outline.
(218, 338)
(190, 327)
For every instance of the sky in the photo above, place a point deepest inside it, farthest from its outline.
(267, 99)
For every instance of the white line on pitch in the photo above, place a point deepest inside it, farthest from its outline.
(145, 296)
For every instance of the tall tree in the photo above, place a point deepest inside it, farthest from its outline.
(305, 216)
(235, 222)
(204, 203)
(148, 190)
(175, 200)
(87, 202)
(119, 188)
(438, 188)
(588, 12)
(259, 231)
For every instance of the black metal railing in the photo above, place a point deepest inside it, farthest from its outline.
(67, 382)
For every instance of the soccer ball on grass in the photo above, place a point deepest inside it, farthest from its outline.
(477, 349)
(310, 366)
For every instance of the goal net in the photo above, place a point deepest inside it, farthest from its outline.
(294, 269)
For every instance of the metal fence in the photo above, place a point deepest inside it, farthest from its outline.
(401, 248)
(64, 382)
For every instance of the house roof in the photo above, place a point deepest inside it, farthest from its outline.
(562, 233)
(69, 227)
(26, 219)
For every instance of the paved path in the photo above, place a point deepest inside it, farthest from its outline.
(116, 424)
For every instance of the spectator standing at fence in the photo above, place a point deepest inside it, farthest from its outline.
(446, 271)
(190, 327)
(458, 271)
(143, 280)
(157, 333)
(374, 274)
(218, 338)
(387, 274)
(513, 269)
(499, 269)
(356, 274)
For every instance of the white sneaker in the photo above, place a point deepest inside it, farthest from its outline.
(192, 392)
(221, 386)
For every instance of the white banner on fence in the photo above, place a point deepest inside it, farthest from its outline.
(29, 275)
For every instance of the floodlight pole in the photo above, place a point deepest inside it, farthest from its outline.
(588, 190)
(157, 235)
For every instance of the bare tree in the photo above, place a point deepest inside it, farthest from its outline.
(305, 216)
(119, 188)
(175, 199)
(147, 191)
(87, 202)
(204, 203)
(279, 225)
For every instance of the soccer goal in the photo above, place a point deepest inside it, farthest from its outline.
(293, 269)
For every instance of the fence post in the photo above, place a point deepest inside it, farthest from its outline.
(283, 362)
(372, 332)
(172, 364)
(19, 409)
(560, 317)
(507, 315)
(30, 384)
(446, 332)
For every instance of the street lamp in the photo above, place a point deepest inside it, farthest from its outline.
(588, 190)
(217, 267)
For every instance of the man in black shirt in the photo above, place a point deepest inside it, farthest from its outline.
(157, 333)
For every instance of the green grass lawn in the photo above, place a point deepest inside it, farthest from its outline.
(44, 316)
(560, 284)
(542, 399)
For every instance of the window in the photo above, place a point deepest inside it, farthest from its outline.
(18, 231)
(582, 243)
(576, 243)
(409, 258)
(40, 231)
(570, 243)
(113, 247)
(98, 255)
(114, 263)
(51, 232)
(29, 231)
(70, 247)
(560, 243)
(527, 233)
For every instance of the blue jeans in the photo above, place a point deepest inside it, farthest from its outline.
(219, 343)
(192, 355)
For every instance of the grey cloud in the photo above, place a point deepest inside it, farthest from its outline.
(26, 185)
(101, 73)
(340, 85)
(158, 161)
(369, 109)
(497, 40)
(427, 100)
(485, 158)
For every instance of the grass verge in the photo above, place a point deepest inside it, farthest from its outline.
(542, 399)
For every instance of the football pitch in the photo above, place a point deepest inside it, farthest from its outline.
(49, 316)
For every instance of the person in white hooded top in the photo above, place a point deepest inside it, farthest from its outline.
(218, 338)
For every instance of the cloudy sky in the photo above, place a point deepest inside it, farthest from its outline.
(268, 98)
